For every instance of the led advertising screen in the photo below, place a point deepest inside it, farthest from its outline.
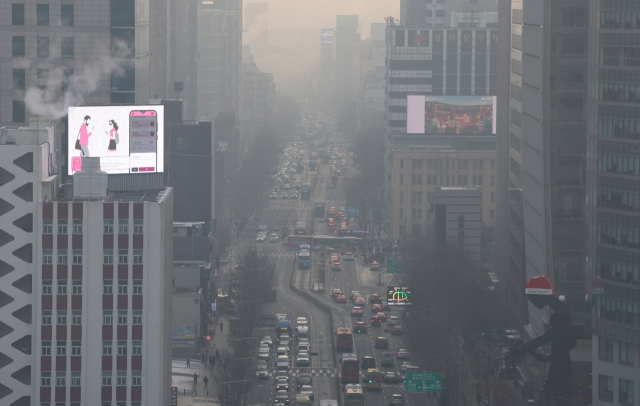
(128, 139)
(327, 35)
(398, 296)
(456, 115)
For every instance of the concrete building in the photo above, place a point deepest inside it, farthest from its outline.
(422, 164)
(256, 28)
(373, 73)
(258, 96)
(347, 72)
(183, 48)
(458, 219)
(118, 348)
(613, 201)
(439, 12)
(326, 67)
(27, 177)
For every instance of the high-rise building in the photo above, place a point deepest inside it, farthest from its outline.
(183, 48)
(27, 177)
(434, 13)
(613, 200)
(347, 72)
(326, 65)
(256, 28)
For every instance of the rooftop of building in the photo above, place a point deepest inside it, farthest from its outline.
(444, 143)
(25, 135)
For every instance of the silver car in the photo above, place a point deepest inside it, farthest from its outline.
(302, 359)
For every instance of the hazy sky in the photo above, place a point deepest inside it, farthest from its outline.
(322, 13)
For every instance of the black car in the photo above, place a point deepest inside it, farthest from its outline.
(282, 396)
(361, 327)
(397, 331)
(375, 322)
(304, 379)
(367, 362)
(382, 342)
(375, 299)
(391, 377)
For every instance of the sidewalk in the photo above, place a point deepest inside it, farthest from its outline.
(182, 377)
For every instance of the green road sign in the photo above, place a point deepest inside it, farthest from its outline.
(423, 382)
(394, 265)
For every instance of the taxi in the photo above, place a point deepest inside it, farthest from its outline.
(375, 266)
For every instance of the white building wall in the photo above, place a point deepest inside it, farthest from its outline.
(615, 370)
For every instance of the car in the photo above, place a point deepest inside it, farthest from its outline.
(286, 186)
(387, 359)
(382, 316)
(302, 359)
(284, 338)
(341, 299)
(407, 366)
(349, 256)
(361, 327)
(391, 377)
(336, 292)
(304, 379)
(393, 321)
(302, 321)
(261, 238)
(261, 364)
(267, 340)
(375, 266)
(376, 308)
(382, 342)
(403, 353)
(264, 356)
(262, 227)
(359, 301)
(282, 396)
(396, 400)
(262, 374)
(282, 384)
(397, 331)
(385, 307)
(303, 347)
(282, 350)
(297, 186)
(284, 196)
(273, 196)
(282, 375)
(264, 346)
(354, 294)
(334, 258)
(294, 195)
(367, 362)
(273, 237)
(375, 299)
(307, 390)
(356, 311)
(336, 266)
(376, 322)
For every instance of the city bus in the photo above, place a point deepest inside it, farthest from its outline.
(295, 241)
(304, 259)
(312, 165)
(301, 228)
(319, 209)
(339, 243)
(350, 368)
(344, 340)
(305, 191)
(353, 395)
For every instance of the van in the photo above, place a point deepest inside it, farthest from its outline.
(393, 321)
(303, 332)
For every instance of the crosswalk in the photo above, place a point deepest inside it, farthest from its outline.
(320, 372)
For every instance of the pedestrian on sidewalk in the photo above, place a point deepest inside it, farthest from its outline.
(212, 361)
(195, 379)
(220, 326)
(206, 381)
(203, 355)
(188, 362)
(217, 353)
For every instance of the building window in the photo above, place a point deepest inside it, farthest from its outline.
(43, 14)
(19, 115)
(137, 257)
(17, 14)
(43, 47)
(137, 317)
(17, 46)
(137, 348)
(45, 379)
(416, 163)
(605, 349)
(122, 317)
(62, 256)
(77, 287)
(137, 286)
(46, 317)
(76, 347)
(492, 197)
(402, 164)
(77, 257)
(66, 14)
(61, 378)
(626, 353)
(106, 347)
(47, 256)
(605, 388)
(122, 348)
(137, 226)
(136, 378)
(492, 212)
(107, 317)
(19, 83)
(107, 286)
(402, 179)
(123, 256)
(42, 76)
(61, 347)
(108, 256)
(401, 230)
(77, 226)
(416, 179)
(75, 378)
(67, 48)
(123, 226)
(122, 377)
(62, 286)
(46, 348)
(62, 317)
(122, 286)
(47, 226)
(106, 377)
(108, 226)
(76, 317)
(62, 226)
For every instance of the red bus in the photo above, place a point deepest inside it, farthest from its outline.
(295, 241)
(349, 244)
(350, 368)
(344, 340)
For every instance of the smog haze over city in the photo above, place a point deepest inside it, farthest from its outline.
(335, 203)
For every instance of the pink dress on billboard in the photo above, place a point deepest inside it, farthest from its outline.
(112, 139)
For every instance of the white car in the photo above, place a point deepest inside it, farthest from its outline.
(261, 238)
(273, 237)
(302, 321)
(302, 359)
(262, 227)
